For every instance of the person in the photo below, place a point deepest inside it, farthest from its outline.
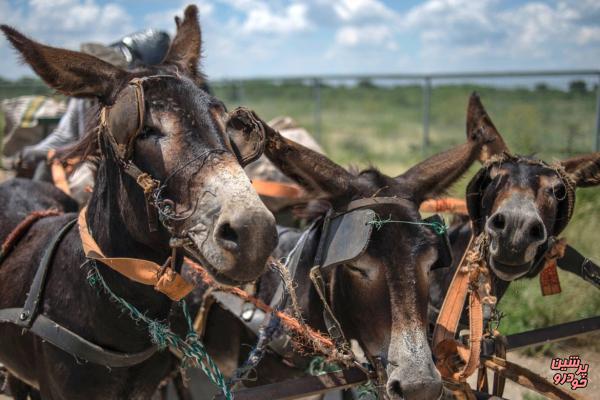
(147, 47)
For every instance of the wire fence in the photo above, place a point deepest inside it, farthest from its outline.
(391, 119)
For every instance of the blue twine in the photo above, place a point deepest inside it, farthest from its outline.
(437, 227)
(194, 352)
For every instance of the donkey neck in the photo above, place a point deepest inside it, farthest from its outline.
(118, 222)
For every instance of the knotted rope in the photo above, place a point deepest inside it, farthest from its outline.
(437, 227)
(194, 352)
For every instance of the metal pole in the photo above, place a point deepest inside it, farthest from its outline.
(597, 141)
(426, 112)
(317, 111)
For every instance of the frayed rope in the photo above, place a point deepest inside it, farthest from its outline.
(194, 352)
(437, 227)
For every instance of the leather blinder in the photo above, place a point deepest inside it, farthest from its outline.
(124, 119)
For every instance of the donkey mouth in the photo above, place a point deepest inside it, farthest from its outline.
(509, 272)
(214, 272)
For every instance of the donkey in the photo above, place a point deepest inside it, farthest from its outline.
(521, 204)
(379, 296)
(157, 125)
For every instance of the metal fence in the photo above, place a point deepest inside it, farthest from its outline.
(427, 81)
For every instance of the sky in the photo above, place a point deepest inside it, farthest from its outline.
(251, 38)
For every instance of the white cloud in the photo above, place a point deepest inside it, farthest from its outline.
(263, 19)
(359, 10)
(353, 36)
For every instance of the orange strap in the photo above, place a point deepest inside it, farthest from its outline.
(58, 172)
(277, 189)
(549, 280)
(447, 204)
(445, 347)
(164, 280)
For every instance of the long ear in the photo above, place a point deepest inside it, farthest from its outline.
(584, 170)
(314, 171)
(184, 51)
(480, 123)
(437, 173)
(70, 72)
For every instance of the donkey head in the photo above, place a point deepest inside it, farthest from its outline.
(380, 297)
(520, 202)
(159, 120)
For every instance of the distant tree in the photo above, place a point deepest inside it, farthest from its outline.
(577, 87)
(366, 83)
(541, 87)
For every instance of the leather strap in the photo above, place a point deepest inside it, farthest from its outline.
(72, 343)
(31, 307)
(164, 280)
(446, 204)
(577, 264)
(470, 279)
(277, 189)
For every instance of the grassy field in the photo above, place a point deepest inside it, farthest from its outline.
(382, 126)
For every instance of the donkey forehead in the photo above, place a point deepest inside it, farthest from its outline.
(524, 176)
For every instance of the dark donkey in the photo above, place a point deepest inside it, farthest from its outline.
(522, 204)
(155, 123)
(378, 294)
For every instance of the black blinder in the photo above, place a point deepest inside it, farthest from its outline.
(444, 250)
(347, 237)
(124, 120)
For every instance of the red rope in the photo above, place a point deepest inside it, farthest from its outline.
(20, 230)
(323, 342)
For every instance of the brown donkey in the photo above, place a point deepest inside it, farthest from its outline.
(156, 125)
(380, 294)
(522, 204)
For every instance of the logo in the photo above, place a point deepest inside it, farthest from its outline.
(577, 379)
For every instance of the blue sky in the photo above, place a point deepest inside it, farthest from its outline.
(247, 38)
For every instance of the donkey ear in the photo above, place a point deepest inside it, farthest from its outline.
(480, 123)
(70, 72)
(312, 170)
(584, 170)
(184, 51)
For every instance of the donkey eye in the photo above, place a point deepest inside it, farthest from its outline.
(354, 269)
(149, 132)
(558, 191)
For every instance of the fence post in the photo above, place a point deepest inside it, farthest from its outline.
(426, 112)
(317, 110)
(597, 141)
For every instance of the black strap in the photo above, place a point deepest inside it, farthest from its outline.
(31, 307)
(28, 317)
(72, 343)
(579, 265)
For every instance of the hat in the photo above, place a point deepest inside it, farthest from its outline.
(105, 53)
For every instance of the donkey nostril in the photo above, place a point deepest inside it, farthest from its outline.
(499, 222)
(395, 389)
(537, 231)
(228, 236)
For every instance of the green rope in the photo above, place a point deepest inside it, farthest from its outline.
(367, 391)
(438, 228)
(320, 366)
(194, 352)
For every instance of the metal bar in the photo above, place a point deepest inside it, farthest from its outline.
(426, 113)
(442, 75)
(552, 333)
(301, 387)
(317, 111)
(597, 141)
